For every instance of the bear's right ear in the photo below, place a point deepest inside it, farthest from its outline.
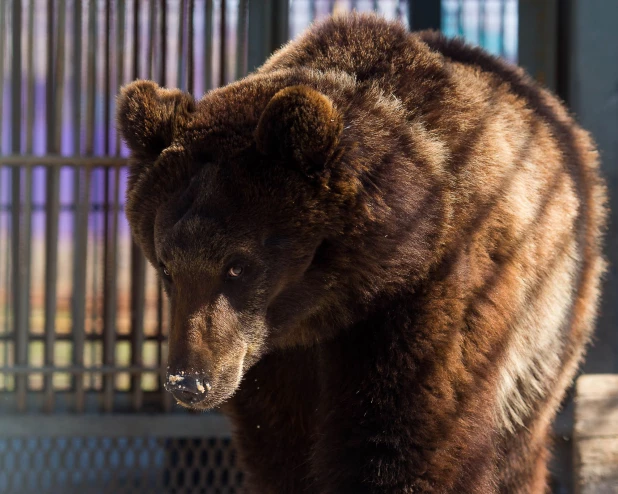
(149, 117)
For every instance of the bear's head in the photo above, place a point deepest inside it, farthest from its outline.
(261, 215)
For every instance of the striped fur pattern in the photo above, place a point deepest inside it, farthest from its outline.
(419, 228)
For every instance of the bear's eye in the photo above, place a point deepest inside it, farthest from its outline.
(235, 271)
(165, 271)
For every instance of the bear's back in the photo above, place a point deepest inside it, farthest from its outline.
(524, 187)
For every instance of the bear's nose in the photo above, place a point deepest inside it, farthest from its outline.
(186, 388)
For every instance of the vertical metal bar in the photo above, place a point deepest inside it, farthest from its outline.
(30, 83)
(106, 79)
(20, 327)
(109, 259)
(137, 321)
(25, 267)
(109, 295)
(7, 247)
(27, 210)
(108, 323)
(82, 198)
(91, 86)
(120, 29)
(78, 299)
(51, 273)
(116, 203)
(138, 266)
(222, 44)
(53, 208)
(8, 381)
(77, 77)
(241, 40)
(3, 30)
(151, 36)
(136, 39)
(49, 88)
(163, 39)
(564, 57)
(7, 283)
(49, 144)
(91, 77)
(138, 270)
(49, 85)
(59, 76)
(190, 50)
(181, 37)
(208, 34)
(137, 262)
(5, 251)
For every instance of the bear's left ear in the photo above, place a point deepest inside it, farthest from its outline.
(149, 116)
(301, 126)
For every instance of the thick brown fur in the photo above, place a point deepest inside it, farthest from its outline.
(417, 226)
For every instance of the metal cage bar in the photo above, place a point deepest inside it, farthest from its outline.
(19, 317)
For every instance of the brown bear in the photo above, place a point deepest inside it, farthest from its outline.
(382, 251)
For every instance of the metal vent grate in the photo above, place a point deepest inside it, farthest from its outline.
(116, 465)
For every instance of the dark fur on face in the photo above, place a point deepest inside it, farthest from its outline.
(382, 251)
